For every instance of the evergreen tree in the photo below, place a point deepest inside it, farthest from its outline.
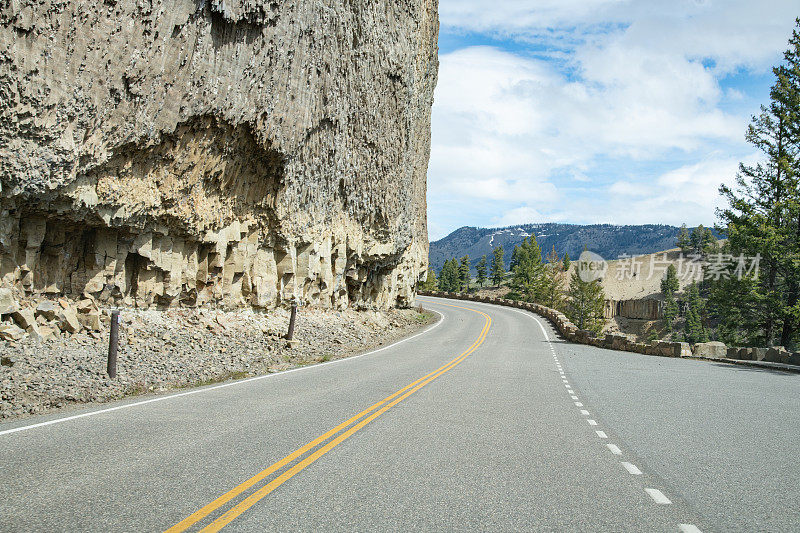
(449, 279)
(585, 303)
(553, 286)
(566, 262)
(669, 287)
(702, 241)
(684, 241)
(694, 330)
(498, 266)
(669, 284)
(463, 273)
(481, 268)
(529, 277)
(430, 283)
(763, 217)
(514, 259)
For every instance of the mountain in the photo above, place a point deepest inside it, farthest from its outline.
(605, 239)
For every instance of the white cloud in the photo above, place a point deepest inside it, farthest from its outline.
(519, 215)
(733, 32)
(635, 90)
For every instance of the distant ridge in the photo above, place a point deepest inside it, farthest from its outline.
(608, 240)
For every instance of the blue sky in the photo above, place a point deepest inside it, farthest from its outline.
(596, 111)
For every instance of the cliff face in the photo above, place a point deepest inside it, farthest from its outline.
(165, 152)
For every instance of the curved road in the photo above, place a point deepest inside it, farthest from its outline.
(486, 421)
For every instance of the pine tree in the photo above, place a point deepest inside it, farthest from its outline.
(763, 217)
(585, 303)
(529, 277)
(430, 283)
(669, 284)
(669, 287)
(702, 241)
(684, 241)
(449, 279)
(481, 268)
(498, 267)
(464, 274)
(566, 262)
(694, 330)
(553, 286)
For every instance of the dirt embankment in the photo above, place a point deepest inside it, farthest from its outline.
(164, 350)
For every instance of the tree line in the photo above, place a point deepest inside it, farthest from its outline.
(531, 278)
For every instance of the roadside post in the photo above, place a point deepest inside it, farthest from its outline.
(113, 342)
(292, 318)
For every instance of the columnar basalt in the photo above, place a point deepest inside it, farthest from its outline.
(160, 153)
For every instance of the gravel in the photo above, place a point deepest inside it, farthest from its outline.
(165, 350)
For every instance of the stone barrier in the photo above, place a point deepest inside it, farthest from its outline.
(661, 348)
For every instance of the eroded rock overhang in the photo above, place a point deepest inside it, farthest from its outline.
(237, 153)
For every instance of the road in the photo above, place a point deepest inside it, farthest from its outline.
(486, 421)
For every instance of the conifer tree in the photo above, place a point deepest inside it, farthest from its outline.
(464, 274)
(529, 277)
(694, 330)
(763, 216)
(481, 268)
(553, 286)
(585, 303)
(684, 241)
(669, 287)
(566, 262)
(498, 266)
(449, 279)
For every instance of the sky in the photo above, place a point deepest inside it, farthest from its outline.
(596, 111)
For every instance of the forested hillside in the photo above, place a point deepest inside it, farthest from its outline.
(605, 239)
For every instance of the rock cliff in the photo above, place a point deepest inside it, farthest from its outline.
(186, 152)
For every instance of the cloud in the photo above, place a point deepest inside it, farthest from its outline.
(618, 103)
(519, 215)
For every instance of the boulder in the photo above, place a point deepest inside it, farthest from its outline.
(11, 332)
(25, 318)
(7, 302)
(91, 321)
(794, 359)
(68, 320)
(710, 350)
(758, 354)
(619, 342)
(777, 354)
(682, 349)
(86, 306)
(47, 310)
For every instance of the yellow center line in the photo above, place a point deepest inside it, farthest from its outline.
(261, 493)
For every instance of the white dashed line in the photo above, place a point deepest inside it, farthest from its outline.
(631, 468)
(584, 412)
(592, 422)
(574, 397)
(570, 391)
(601, 434)
(658, 496)
(689, 528)
(614, 449)
(578, 404)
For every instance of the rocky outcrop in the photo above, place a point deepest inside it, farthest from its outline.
(190, 152)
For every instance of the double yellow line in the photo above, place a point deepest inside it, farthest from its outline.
(379, 408)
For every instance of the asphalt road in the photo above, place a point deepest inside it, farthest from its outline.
(486, 421)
